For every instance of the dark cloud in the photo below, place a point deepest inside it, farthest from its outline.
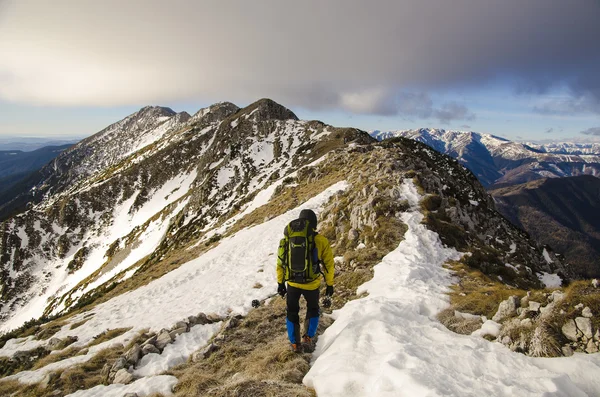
(347, 54)
(549, 131)
(595, 131)
(453, 111)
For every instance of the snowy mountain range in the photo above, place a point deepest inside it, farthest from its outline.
(141, 249)
(499, 162)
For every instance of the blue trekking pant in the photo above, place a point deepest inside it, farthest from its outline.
(293, 309)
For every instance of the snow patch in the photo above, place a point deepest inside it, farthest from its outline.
(550, 280)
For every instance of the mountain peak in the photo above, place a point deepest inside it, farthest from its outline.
(216, 112)
(156, 111)
(267, 109)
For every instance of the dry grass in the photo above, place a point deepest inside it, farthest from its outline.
(254, 360)
(581, 292)
(477, 293)
(48, 330)
(83, 376)
(79, 323)
(108, 335)
(457, 324)
(58, 356)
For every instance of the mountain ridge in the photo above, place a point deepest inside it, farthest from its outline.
(499, 162)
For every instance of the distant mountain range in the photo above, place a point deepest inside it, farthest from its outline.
(28, 144)
(561, 212)
(16, 166)
(499, 162)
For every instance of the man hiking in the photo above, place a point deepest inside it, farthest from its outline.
(304, 255)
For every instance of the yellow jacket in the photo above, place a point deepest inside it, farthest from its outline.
(325, 255)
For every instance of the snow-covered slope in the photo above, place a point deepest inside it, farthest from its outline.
(498, 161)
(190, 223)
(390, 343)
(107, 225)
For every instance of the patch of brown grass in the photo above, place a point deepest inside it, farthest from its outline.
(108, 335)
(476, 293)
(58, 356)
(79, 323)
(254, 360)
(582, 292)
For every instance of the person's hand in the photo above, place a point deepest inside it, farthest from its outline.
(281, 290)
(329, 290)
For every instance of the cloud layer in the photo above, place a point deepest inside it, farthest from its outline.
(365, 57)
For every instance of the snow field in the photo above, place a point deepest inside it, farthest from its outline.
(223, 280)
(390, 343)
(99, 240)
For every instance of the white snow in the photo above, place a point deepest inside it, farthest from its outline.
(201, 285)
(100, 239)
(490, 327)
(390, 344)
(547, 256)
(550, 280)
(513, 248)
(142, 387)
(512, 267)
(177, 352)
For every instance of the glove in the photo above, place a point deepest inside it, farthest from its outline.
(329, 290)
(281, 290)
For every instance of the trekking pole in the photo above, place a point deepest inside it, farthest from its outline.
(256, 302)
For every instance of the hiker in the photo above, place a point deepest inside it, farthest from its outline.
(304, 255)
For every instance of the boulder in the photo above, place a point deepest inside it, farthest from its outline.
(584, 324)
(134, 354)
(534, 306)
(179, 325)
(123, 377)
(177, 331)
(597, 335)
(569, 330)
(201, 318)
(163, 339)
(120, 364)
(507, 308)
(556, 296)
(232, 323)
(105, 371)
(149, 348)
(192, 320)
(591, 347)
(353, 234)
(567, 351)
(213, 318)
(150, 341)
(208, 350)
(54, 344)
(587, 312)
(131, 395)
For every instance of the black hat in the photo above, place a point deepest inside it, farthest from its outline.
(310, 216)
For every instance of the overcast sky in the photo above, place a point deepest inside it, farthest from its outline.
(523, 69)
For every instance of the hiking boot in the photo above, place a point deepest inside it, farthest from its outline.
(296, 348)
(307, 344)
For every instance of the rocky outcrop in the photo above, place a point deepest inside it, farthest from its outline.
(121, 370)
(549, 327)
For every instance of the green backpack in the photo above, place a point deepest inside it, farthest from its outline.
(298, 252)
